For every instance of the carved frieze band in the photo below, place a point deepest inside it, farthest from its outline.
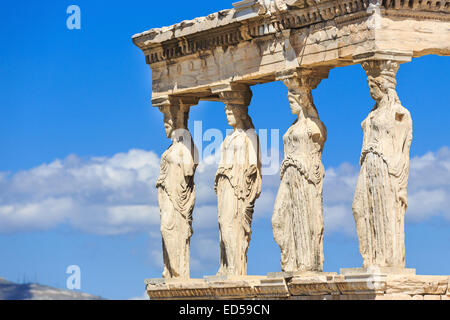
(259, 27)
(231, 35)
(297, 17)
(432, 5)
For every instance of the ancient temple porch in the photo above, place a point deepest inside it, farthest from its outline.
(221, 56)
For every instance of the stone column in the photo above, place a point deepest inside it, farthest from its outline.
(380, 199)
(298, 213)
(176, 190)
(238, 181)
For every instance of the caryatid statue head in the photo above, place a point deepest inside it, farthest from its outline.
(300, 100)
(300, 97)
(381, 77)
(175, 120)
(237, 98)
(237, 116)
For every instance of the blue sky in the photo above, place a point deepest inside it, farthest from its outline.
(80, 143)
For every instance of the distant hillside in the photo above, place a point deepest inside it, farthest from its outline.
(14, 291)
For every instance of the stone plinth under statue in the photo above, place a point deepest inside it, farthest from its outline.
(351, 284)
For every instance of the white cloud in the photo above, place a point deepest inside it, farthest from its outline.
(429, 186)
(45, 214)
(100, 195)
(205, 250)
(339, 218)
(156, 255)
(338, 188)
(426, 203)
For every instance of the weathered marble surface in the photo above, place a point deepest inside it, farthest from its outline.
(190, 57)
(237, 184)
(298, 213)
(176, 193)
(365, 286)
(380, 200)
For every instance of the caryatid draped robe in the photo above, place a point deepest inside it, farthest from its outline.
(380, 200)
(298, 214)
(176, 197)
(238, 185)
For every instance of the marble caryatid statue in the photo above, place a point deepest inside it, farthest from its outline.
(238, 185)
(298, 214)
(380, 200)
(176, 192)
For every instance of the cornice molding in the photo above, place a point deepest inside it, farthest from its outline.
(221, 34)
